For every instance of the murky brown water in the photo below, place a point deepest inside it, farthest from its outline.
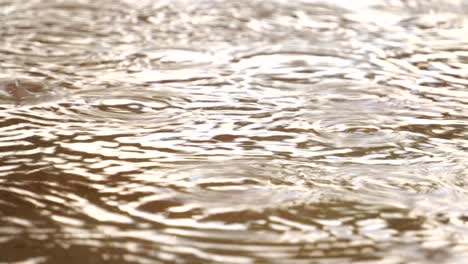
(233, 131)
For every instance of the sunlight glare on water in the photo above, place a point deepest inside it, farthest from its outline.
(233, 131)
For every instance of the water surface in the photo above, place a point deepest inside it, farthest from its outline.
(233, 132)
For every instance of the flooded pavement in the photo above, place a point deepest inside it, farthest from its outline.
(233, 131)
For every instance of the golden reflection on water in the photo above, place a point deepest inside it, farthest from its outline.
(225, 132)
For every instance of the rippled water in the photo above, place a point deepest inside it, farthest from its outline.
(233, 131)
